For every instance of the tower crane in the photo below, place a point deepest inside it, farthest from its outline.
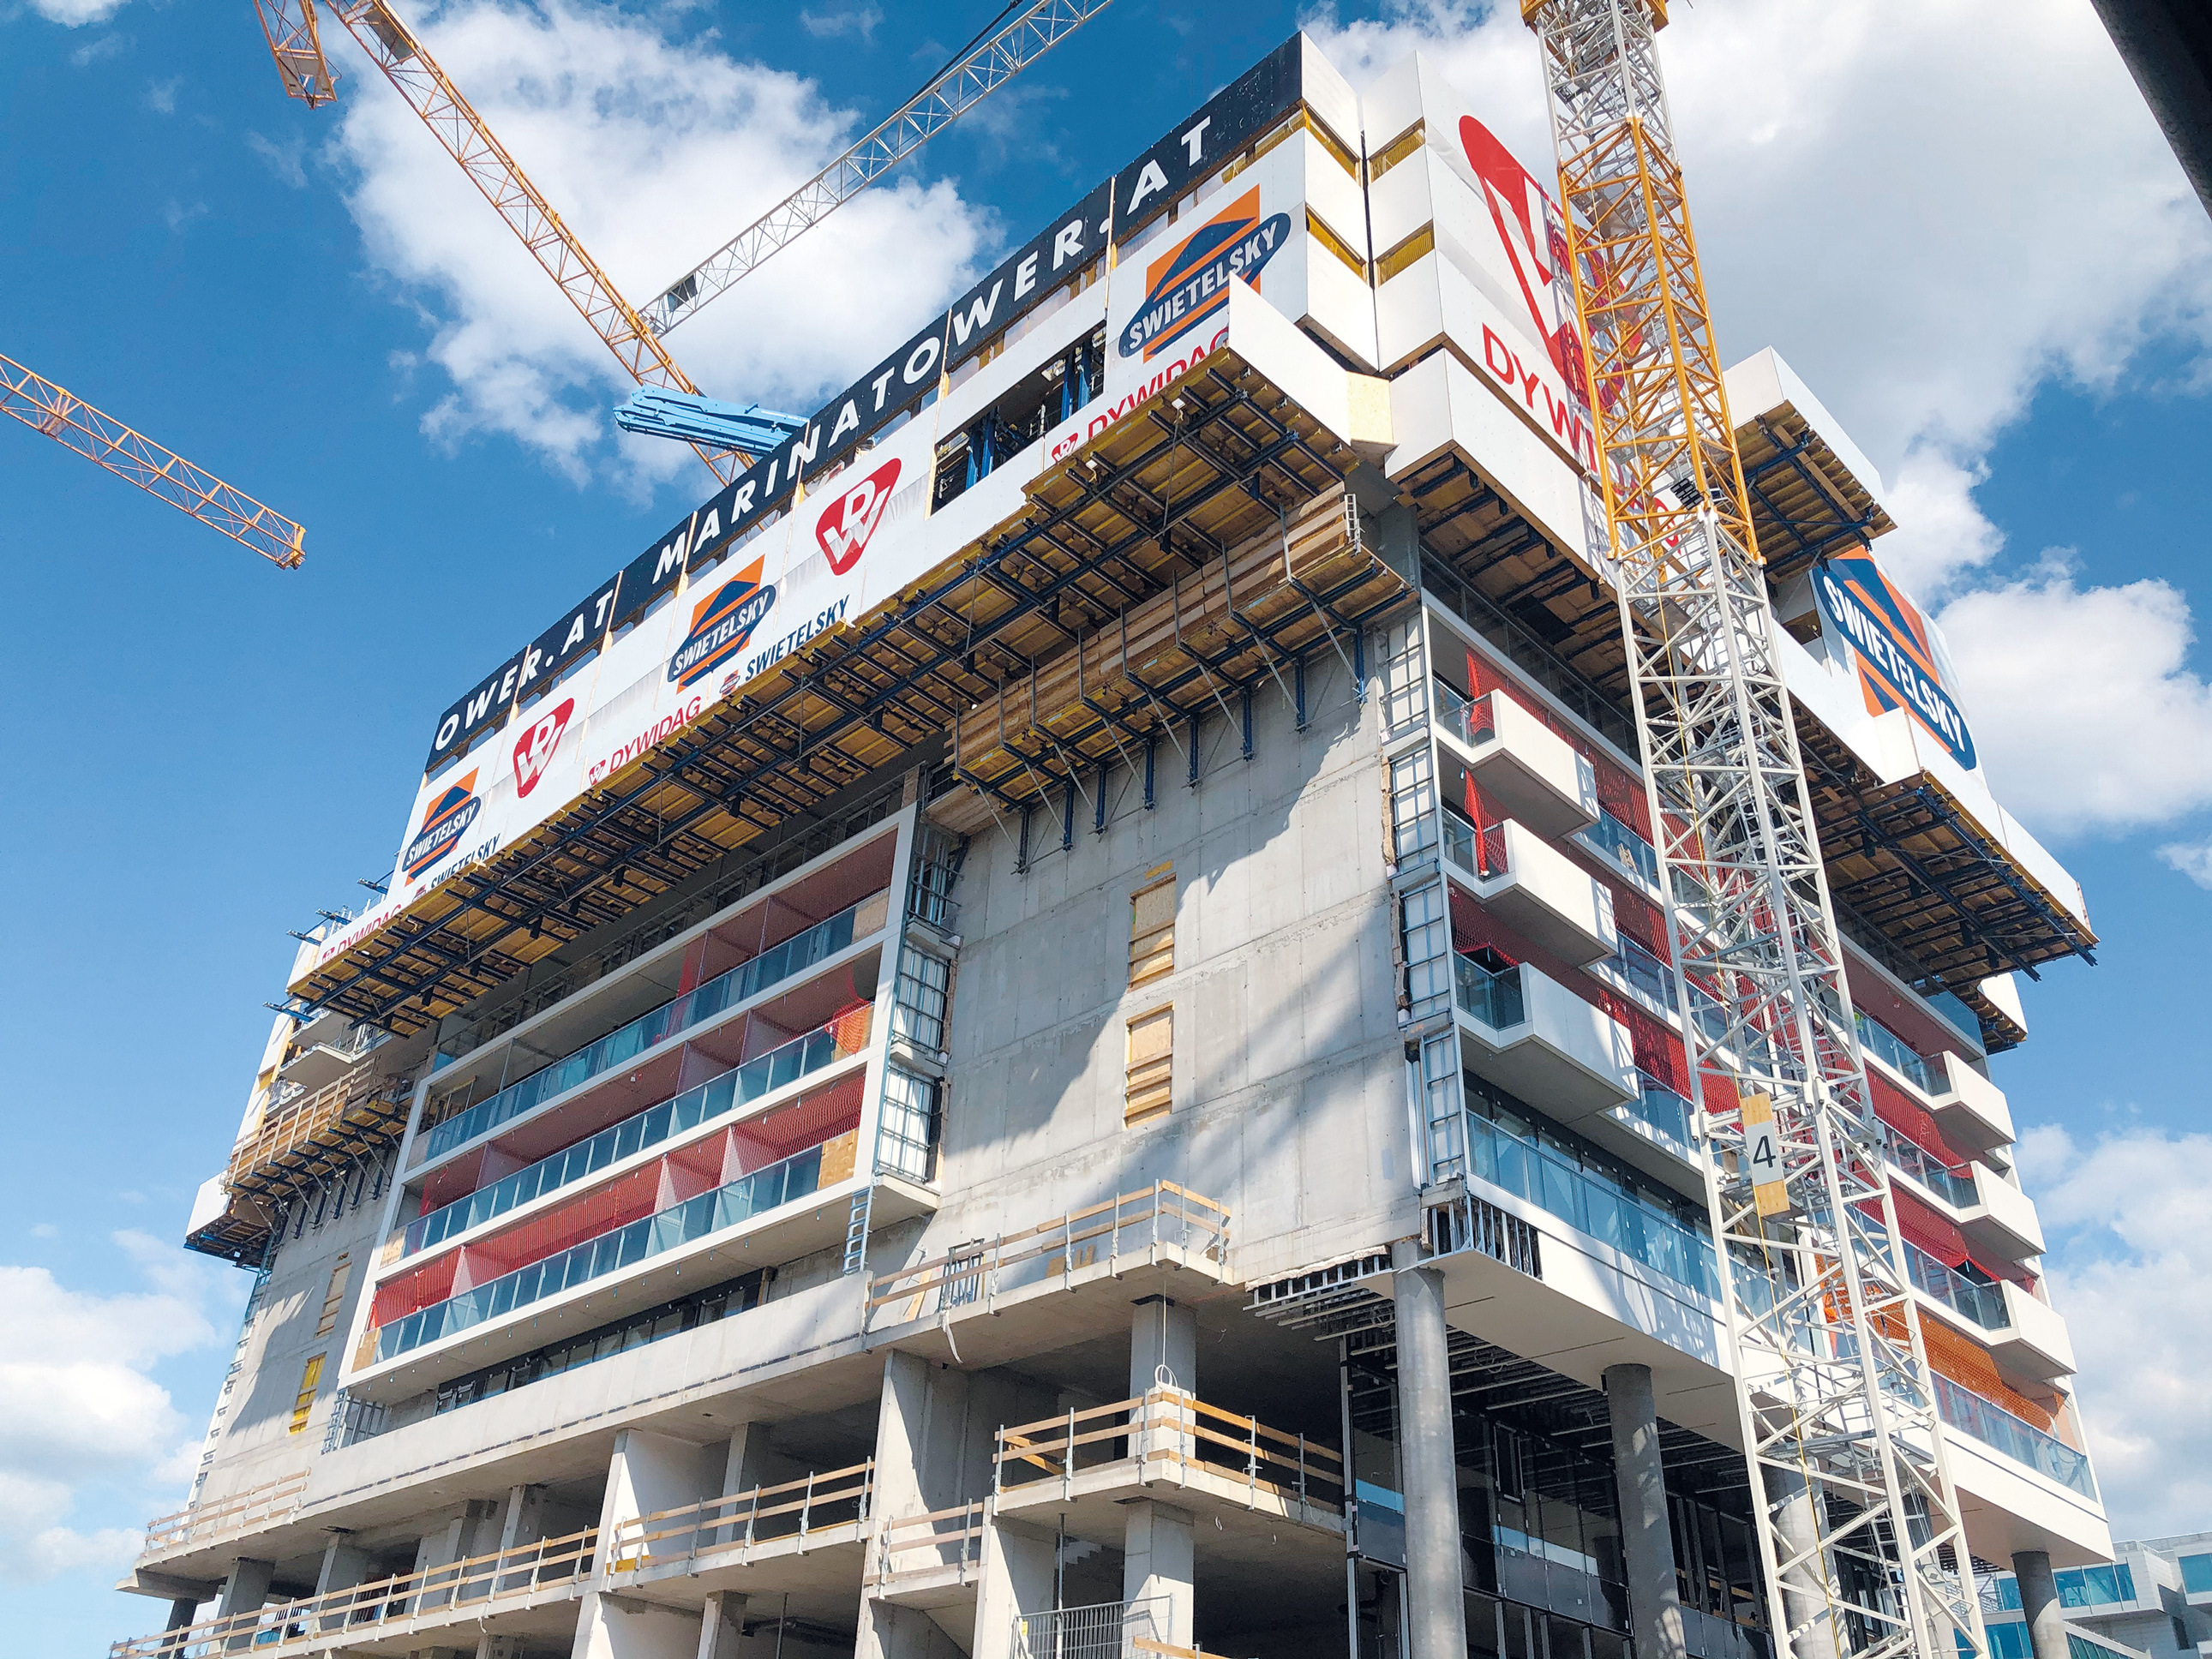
(1858, 1522)
(726, 436)
(99, 436)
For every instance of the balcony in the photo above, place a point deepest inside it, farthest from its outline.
(735, 1088)
(1955, 1187)
(1531, 1035)
(1977, 1306)
(748, 979)
(733, 1205)
(2034, 1341)
(1970, 1109)
(1524, 765)
(790, 1518)
(2020, 1441)
(2001, 1221)
(1169, 1437)
(255, 1507)
(391, 1610)
(1533, 887)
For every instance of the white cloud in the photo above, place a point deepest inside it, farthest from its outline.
(2129, 1219)
(2193, 860)
(282, 160)
(1931, 217)
(162, 95)
(656, 150)
(79, 1408)
(862, 21)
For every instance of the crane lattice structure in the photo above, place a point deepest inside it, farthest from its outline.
(67, 418)
(993, 58)
(1858, 1524)
(295, 44)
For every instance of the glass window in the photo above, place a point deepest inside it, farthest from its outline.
(2196, 1573)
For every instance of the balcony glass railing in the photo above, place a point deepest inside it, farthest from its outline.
(795, 955)
(1493, 997)
(2023, 1441)
(1467, 718)
(1954, 1187)
(1883, 1044)
(737, 1087)
(1588, 1201)
(1480, 853)
(1659, 1108)
(763, 1190)
(1610, 839)
(1982, 1302)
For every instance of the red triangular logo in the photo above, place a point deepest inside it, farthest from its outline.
(533, 750)
(848, 522)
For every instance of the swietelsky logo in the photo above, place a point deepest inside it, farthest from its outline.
(721, 624)
(846, 523)
(1190, 282)
(533, 750)
(443, 822)
(1898, 664)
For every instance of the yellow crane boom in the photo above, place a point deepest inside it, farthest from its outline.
(98, 436)
(295, 44)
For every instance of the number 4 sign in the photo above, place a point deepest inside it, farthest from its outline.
(1762, 1155)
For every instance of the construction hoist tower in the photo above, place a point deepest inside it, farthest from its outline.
(1858, 1524)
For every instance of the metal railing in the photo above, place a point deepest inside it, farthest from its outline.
(1954, 1187)
(461, 1591)
(1130, 1226)
(1467, 719)
(793, 1510)
(725, 991)
(1110, 1630)
(802, 1056)
(1168, 1428)
(1885, 1045)
(942, 1539)
(1479, 852)
(239, 1512)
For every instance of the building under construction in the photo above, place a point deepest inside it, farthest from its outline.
(1055, 1026)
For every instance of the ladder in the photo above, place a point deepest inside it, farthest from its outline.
(1858, 1524)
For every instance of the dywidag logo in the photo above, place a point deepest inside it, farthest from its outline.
(721, 623)
(443, 822)
(1190, 282)
(846, 523)
(533, 750)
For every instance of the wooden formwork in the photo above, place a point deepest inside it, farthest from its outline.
(1210, 632)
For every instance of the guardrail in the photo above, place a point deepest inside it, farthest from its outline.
(1130, 1225)
(460, 1591)
(241, 1511)
(949, 1538)
(1169, 1426)
(740, 1520)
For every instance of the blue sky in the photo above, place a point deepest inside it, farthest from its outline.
(1970, 241)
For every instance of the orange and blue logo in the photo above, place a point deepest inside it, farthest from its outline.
(443, 822)
(1190, 282)
(1897, 657)
(721, 625)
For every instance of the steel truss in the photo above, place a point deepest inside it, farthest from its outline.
(973, 76)
(1858, 1525)
(1168, 494)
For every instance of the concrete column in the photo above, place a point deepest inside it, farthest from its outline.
(1647, 1542)
(344, 1566)
(2039, 1601)
(498, 1647)
(722, 1625)
(1427, 1461)
(247, 1589)
(619, 1626)
(522, 1521)
(744, 1468)
(1163, 1347)
(1804, 1588)
(1016, 1579)
(1158, 1567)
(651, 1472)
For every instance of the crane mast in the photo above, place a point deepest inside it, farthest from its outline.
(98, 436)
(1858, 1524)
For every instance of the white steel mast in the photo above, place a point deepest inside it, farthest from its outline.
(1858, 1525)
